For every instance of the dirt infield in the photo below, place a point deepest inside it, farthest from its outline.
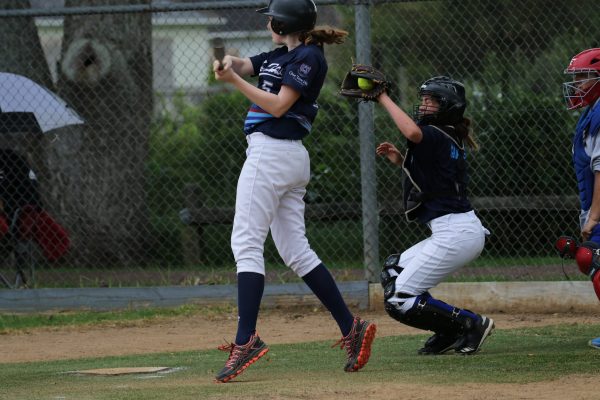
(206, 332)
(282, 326)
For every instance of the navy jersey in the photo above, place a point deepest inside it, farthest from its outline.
(303, 69)
(436, 168)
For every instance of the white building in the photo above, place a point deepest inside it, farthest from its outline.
(181, 47)
(181, 42)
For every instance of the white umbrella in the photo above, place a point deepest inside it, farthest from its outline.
(28, 106)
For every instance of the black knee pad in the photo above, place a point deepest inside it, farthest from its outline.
(388, 281)
(409, 317)
(393, 311)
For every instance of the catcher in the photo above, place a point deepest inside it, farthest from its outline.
(435, 194)
(583, 91)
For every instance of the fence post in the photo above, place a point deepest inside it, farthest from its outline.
(192, 242)
(367, 149)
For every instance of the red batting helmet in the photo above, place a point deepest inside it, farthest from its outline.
(584, 89)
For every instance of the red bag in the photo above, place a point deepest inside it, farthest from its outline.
(3, 226)
(48, 234)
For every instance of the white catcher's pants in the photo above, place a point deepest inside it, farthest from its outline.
(270, 194)
(456, 239)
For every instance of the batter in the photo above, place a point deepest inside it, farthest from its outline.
(272, 184)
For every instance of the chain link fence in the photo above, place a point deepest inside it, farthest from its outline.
(143, 192)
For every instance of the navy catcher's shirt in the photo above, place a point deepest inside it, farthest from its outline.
(303, 69)
(435, 165)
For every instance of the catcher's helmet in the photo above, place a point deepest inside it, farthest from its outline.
(584, 88)
(450, 95)
(290, 16)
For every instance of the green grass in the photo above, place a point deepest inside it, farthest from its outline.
(19, 322)
(314, 370)
(486, 261)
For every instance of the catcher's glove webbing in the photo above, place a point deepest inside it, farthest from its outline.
(350, 86)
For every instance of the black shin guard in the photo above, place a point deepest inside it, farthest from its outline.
(430, 316)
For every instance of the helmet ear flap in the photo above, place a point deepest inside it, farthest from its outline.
(277, 26)
(455, 112)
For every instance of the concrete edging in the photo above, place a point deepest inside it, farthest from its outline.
(100, 299)
(534, 297)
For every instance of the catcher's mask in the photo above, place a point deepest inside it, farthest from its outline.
(584, 87)
(291, 16)
(449, 94)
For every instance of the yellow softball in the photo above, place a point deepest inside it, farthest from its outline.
(365, 84)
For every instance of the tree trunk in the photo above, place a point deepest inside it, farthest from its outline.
(98, 168)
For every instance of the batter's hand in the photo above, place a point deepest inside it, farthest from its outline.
(391, 152)
(227, 74)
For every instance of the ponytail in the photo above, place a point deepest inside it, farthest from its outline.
(324, 34)
(463, 129)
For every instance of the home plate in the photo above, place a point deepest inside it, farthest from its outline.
(123, 371)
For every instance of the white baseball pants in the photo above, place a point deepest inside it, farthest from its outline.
(456, 240)
(270, 193)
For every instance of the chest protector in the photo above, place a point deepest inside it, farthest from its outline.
(588, 125)
(415, 196)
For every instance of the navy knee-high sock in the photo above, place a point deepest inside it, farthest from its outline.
(250, 290)
(450, 308)
(320, 281)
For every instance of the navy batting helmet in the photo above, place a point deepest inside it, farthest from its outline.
(450, 95)
(290, 16)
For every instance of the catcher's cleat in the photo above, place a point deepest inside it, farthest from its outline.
(358, 344)
(440, 344)
(595, 343)
(474, 338)
(241, 357)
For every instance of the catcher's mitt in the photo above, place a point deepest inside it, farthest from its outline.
(350, 85)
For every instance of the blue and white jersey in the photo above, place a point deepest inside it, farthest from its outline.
(586, 158)
(303, 69)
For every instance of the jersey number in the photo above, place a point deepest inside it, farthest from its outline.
(266, 86)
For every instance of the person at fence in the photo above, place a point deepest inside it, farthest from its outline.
(274, 177)
(435, 194)
(22, 209)
(583, 91)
